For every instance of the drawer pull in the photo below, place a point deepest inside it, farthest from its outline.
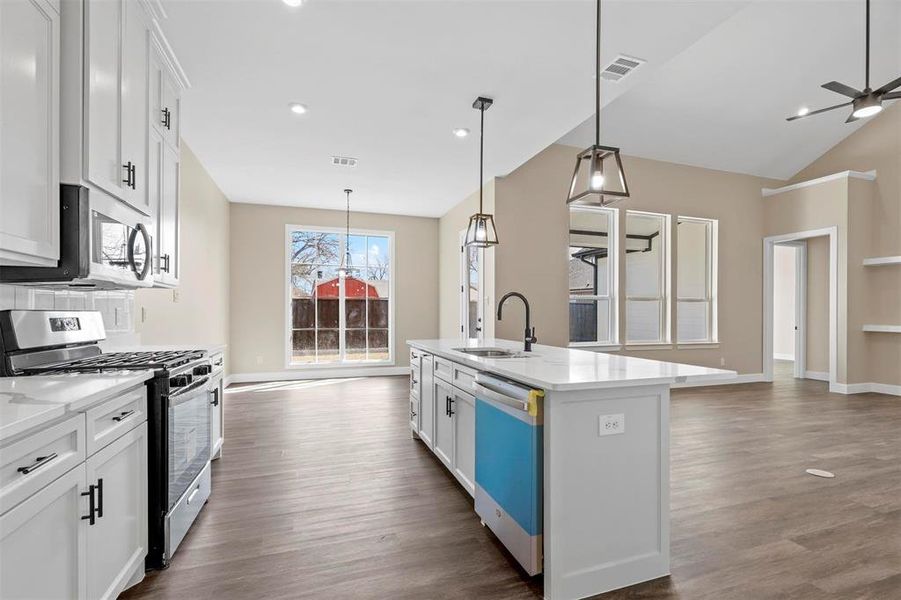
(193, 494)
(39, 462)
(123, 415)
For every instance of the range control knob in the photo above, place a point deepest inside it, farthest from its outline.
(203, 370)
(179, 381)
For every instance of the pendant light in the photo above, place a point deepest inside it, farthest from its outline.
(604, 181)
(345, 270)
(481, 232)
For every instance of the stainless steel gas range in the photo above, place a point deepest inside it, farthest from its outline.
(37, 342)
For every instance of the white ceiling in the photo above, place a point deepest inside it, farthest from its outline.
(722, 102)
(387, 81)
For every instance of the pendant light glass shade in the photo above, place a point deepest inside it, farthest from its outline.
(481, 232)
(599, 178)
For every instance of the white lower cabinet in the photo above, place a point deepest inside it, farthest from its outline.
(427, 402)
(117, 540)
(464, 407)
(444, 423)
(447, 417)
(82, 535)
(43, 543)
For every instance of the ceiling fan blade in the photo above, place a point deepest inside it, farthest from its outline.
(892, 96)
(816, 112)
(889, 86)
(851, 118)
(841, 88)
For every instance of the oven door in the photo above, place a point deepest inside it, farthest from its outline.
(189, 437)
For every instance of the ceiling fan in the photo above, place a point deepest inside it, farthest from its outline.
(864, 103)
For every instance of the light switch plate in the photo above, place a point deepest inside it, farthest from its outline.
(611, 424)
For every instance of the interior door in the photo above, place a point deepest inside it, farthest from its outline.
(42, 542)
(471, 291)
(117, 542)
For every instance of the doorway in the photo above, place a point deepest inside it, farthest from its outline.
(790, 308)
(812, 313)
(472, 282)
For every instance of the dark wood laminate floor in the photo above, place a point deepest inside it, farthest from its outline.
(322, 494)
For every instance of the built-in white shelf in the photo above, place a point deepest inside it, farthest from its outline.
(878, 261)
(883, 328)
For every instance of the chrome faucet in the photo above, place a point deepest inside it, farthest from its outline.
(529, 337)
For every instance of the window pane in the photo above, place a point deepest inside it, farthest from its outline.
(378, 313)
(304, 346)
(327, 345)
(588, 248)
(378, 344)
(691, 318)
(589, 321)
(643, 319)
(303, 312)
(355, 313)
(644, 255)
(378, 260)
(315, 247)
(692, 259)
(327, 313)
(356, 246)
(355, 344)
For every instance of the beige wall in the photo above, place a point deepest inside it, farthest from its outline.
(197, 311)
(450, 268)
(258, 283)
(532, 220)
(817, 308)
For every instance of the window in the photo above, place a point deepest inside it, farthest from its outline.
(696, 268)
(472, 260)
(647, 278)
(592, 276)
(333, 319)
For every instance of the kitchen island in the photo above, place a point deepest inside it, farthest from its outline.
(566, 453)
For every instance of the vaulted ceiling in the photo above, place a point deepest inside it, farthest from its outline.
(386, 82)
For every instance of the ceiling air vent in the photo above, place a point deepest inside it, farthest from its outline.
(344, 161)
(622, 66)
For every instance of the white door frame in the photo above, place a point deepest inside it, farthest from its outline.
(768, 245)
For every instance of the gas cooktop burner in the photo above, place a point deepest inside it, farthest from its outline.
(169, 359)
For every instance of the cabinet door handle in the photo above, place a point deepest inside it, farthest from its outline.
(134, 177)
(39, 462)
(123, 415)
(99, 497)
(450, 406)
(215, 395)
(165, 259)
(128, 173)
(167, 118)
(92, 509)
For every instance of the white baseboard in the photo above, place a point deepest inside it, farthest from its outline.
(303, 374)
(818, 375)
(862, 388)
(742, 378)
(784, 356)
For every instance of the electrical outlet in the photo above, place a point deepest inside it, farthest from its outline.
(175, 295)
(259, 359)
(722, 361)
(143, 314)
(611, 424)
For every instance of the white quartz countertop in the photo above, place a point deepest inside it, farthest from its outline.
(28, 402)
(553, 368)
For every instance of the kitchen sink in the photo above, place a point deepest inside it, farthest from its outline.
(492, 352)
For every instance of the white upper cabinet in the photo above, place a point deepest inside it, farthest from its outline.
(165, 97)
(116, 45)
(29, 120)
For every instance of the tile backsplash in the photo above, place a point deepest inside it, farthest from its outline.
(117, 307)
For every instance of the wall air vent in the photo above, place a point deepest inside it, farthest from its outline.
(344, 161)
(621, 67)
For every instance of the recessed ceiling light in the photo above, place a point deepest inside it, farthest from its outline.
(461, 132)
(297, 108)
(293, 3)
(803, 111)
